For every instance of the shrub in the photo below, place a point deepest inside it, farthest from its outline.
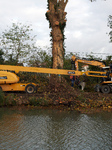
(32, 101)
(38, 101)
(2, 97)
(8, 100)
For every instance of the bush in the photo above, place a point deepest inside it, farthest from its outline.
(2, 98)
(33, 101)
(9, 100)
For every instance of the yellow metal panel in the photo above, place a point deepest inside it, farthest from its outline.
(106, 82)
(96, 74)
(8, 77)
(13, 87)
(92, 62)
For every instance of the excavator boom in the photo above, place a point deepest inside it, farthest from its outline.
(18, 69)
(51, 71)
(75, 61)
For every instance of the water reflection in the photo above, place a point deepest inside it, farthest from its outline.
(54, 130)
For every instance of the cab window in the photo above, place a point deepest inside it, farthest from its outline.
(3, 77)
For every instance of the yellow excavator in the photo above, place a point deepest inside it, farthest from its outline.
(10, 81)
(105, 85)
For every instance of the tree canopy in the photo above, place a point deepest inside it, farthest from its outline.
(1, 57)
(16, 42)
(110, 25)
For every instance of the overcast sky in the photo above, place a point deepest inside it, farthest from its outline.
(86, 22)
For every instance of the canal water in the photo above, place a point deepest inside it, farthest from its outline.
(54, 130)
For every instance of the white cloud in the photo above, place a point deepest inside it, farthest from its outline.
(77, 34)
(42, 42)
(86, 22)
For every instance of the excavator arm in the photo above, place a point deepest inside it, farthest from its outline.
(76, 62)
(17, 69)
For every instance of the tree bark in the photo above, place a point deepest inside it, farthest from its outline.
(57, 21)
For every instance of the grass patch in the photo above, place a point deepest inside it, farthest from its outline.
(7, 100)
(33, 101)
(2, 97)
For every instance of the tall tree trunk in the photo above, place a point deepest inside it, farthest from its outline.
(56, 17)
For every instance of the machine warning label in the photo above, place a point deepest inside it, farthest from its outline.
(70, 72)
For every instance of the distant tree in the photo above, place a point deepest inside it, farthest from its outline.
(67, 61)
(57, 22)
(110, 25)
(17, 42)
(108, 60)
(1, 57)
(11, 61)
(41, 58)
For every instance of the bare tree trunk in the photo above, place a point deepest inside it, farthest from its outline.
(56, 17)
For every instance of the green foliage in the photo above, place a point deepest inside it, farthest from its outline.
(10, 100)
(81, 97)
(41, 58)
(11, 61)
(7, 100)
(67, 61)
(108, 60)
(16, 42)
(1, 57)
(33, 101)
(62, 26)
(38, 78)
(110, 25)
(2, 97)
